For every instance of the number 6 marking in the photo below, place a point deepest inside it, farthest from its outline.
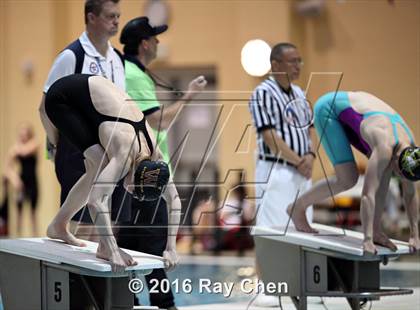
(317, 275)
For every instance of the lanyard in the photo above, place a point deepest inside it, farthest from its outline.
(163, 84)
(98, 61)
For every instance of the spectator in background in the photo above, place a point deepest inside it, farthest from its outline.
(204, 217)
(235, 217)
(23, 179)
(4, 208)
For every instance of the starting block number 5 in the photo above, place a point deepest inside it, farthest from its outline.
(58, 291)
(316, 272)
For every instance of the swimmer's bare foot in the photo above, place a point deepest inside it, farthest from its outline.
(414, 244)
(298, 217)
(369, 248)
(383, 240)
(61, 232)
(118, 258)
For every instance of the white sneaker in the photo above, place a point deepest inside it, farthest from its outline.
(266, 301)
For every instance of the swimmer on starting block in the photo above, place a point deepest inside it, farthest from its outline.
(374, 128)
(112, 133)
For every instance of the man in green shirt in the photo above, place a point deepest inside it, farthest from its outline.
(148, 232)
(140, 49)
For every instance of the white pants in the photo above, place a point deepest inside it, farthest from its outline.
(276, 187)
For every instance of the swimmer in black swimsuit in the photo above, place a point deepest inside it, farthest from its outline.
(111, 132)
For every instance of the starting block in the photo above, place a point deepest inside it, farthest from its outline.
(41, 273)
(328, 264)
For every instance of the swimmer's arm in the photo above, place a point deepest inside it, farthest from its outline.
(279, 147)
(173, 204)
(52, 132)
(376, 168)
(411, 203)
(129, 181)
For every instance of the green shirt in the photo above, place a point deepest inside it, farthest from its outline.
(141, 88)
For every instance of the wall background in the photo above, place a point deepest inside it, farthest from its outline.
(374, 45)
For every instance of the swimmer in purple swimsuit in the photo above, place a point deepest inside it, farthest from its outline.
(360, 119)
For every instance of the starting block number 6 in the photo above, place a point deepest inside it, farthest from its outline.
(316, 272)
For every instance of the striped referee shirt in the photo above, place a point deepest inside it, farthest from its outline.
(288, 113)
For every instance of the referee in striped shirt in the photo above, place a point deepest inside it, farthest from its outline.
(282, 118)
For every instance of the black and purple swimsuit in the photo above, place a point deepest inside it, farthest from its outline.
(338, 126)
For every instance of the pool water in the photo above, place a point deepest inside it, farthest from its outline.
(194, 273)
(400, 278)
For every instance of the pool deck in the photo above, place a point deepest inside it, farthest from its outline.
(406, 302)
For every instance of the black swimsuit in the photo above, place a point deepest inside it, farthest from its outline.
(29, 180)
(138, 126)
(69, 106)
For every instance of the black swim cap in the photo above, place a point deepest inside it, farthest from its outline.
(409, 163)
(150, 179)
